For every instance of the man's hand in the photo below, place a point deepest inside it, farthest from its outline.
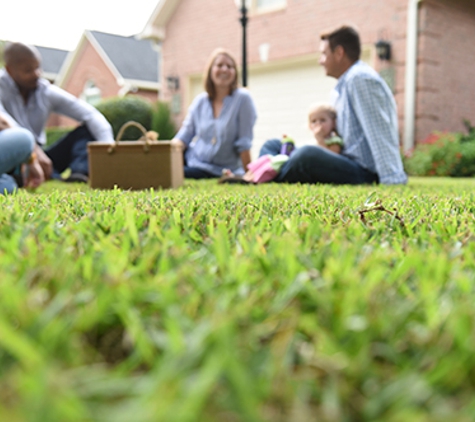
(33, 174)
(45, 162)
(4, 123)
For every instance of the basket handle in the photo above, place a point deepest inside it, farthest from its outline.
(124, 127)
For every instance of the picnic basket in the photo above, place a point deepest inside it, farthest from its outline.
(135, 165)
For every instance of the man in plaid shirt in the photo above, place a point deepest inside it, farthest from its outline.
(366, 120)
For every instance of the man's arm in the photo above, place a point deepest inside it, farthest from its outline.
(6, 120)
(66, 104)
(378, 119)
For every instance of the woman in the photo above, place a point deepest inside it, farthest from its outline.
(217, 132)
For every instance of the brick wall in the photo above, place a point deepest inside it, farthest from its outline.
(146, 94)
(89, 65)
(199, 26)
(445, 87)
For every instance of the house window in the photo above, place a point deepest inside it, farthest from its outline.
(264, 5)
(91, 93)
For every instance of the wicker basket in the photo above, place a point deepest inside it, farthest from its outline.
(135, 165)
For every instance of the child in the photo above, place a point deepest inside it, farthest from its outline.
(321, 122)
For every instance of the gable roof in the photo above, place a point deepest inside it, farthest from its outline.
(51, 60)
(155, 27)
(131, 60)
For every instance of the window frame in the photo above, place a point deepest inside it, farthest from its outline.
(254, 9)
(91, 93)
(268, 9)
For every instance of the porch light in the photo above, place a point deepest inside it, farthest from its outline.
(173, 83)
(383, 50)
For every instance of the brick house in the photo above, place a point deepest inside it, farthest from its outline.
(107, 65)
(430, 70)
(52, 59)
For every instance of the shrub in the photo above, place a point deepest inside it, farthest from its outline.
(120, 110)
(444, 154)
(162, 121)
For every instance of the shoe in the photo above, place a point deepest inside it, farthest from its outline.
(76, 178)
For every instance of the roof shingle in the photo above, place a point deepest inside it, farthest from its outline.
(133, 58)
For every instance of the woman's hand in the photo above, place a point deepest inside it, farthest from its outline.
(179, 142)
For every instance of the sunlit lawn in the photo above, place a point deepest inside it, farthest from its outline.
(239, 303)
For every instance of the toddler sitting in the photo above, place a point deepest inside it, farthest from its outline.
(322, 123)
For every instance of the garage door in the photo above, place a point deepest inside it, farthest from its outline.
(282, 95)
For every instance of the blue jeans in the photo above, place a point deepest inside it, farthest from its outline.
(196, 173)
(71, 152)
(313, 164)
(16, 146)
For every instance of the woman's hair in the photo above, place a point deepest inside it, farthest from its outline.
(347, 37)
(209, 85)
(322, 108)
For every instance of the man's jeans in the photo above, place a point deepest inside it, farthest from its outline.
(16, 146)
(71, 152)
(313, 164)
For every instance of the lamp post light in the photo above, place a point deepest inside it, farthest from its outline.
(244, 19)
(383, 50)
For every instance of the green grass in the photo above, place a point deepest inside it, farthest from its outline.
(239, 303)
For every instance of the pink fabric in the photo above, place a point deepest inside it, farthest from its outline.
(262, 169)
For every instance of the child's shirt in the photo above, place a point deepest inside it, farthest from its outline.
(334, 140)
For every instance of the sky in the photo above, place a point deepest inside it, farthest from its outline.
(60, 23)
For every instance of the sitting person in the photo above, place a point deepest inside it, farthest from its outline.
(217, 132)
(322, 124)
(30, 100)
(367, 121)
(17, 149)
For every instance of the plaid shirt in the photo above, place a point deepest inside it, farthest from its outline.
(367, 121)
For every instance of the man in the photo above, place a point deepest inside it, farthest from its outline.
(16, 149)
(30, 100)
(366, 120)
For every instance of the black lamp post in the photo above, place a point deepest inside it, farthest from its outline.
(244, 19)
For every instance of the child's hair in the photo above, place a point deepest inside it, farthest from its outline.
(325, 108)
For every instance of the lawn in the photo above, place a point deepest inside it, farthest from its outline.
(239, 303)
